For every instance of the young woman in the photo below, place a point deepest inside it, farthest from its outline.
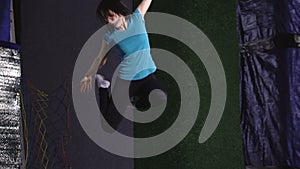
(136, 67)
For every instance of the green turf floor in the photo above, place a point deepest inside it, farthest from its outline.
(224, 149)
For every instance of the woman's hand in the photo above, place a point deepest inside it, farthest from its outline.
(86, 84)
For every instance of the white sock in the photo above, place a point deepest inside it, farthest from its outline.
(101, 81)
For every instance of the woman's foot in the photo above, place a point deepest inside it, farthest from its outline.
(102, 83)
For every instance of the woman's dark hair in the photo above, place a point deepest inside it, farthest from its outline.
(115, 5)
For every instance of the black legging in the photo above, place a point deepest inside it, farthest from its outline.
(139, 91)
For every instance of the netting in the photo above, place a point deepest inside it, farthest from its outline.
(46, 129)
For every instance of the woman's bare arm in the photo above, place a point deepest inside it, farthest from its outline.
(144, 6)
(99, 61)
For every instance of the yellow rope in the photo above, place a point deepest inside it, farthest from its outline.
(42, 104)
(25, 127)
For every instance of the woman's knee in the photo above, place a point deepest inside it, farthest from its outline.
(157, 97)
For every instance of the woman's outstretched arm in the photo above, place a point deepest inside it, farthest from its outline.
(100, 60)
(144, 6)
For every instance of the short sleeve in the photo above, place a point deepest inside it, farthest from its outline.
(137, 15)
(107, 37)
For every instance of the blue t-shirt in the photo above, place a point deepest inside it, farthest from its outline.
(137, 61)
